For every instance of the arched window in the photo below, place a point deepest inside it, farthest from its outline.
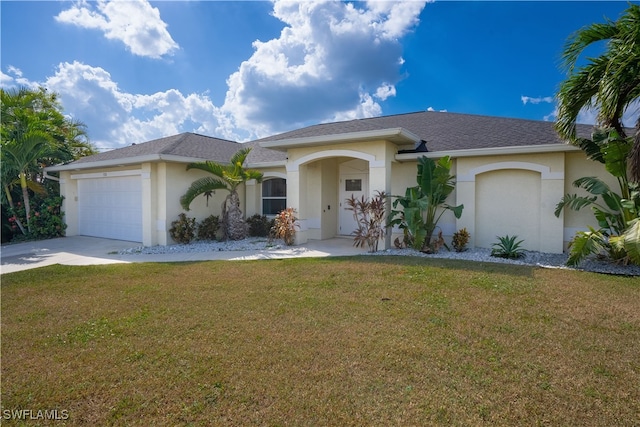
(274, 196)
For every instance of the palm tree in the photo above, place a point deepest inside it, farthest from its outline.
(610, 83)
(19, 158)
(227, 177)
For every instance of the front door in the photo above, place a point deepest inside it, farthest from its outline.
(356, 185)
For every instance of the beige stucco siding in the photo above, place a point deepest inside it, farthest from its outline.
(515, 194)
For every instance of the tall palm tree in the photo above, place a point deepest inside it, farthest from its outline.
(610, 83)
(226, 177)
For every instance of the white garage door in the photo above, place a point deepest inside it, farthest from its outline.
(111, 207)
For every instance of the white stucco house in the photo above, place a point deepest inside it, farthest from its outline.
(510, 175)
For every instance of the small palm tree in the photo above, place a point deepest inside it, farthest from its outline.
(19, 157)
(227, 177)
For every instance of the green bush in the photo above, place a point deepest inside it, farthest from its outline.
(46, 219)
(183, 229)
(208, 228)
(259, 225)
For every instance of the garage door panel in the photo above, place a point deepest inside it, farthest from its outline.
(111, 207)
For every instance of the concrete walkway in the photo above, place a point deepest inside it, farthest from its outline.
(82, 250)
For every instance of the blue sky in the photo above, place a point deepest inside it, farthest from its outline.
(241, 70)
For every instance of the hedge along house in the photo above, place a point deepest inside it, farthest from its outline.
(510, 173)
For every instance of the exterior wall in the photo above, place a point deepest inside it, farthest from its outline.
(513, 194)
(175, 180)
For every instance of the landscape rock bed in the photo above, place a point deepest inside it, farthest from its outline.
(539, 259)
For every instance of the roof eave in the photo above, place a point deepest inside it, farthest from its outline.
(399, 136)
(127, 161)
(262, 165)
(495, 151)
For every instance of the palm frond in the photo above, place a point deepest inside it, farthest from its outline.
(630, 241)
(200, 187)
(585, 243)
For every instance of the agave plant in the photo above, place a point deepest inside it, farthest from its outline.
(508, 247)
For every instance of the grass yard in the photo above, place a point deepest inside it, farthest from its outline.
(321, 342)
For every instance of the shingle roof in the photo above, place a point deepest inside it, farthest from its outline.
(446, 131)
(189, 145)
(442, 131)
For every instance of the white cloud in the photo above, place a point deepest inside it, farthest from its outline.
(385, 91)
(330, 60)
(134, 23)
(117, 118)
(14, 78)
(538, 100)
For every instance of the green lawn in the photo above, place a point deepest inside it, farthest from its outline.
(311, 342)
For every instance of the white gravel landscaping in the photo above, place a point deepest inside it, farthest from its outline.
(539, 259)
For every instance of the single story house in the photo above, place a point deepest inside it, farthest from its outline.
(510, 175)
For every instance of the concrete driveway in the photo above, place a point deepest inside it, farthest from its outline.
(82, 250)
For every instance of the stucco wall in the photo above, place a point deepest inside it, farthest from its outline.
(514, 194)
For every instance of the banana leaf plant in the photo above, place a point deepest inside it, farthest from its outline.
(418, 212)
(617, 214)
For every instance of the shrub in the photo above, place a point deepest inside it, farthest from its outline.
(183, 229)
(460, 240)
(284, 226)
(259, 225)
(369, 215)
(208, 228)
(507, 247)
(46, 219)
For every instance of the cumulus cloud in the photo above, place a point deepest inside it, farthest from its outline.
(331, 60)
(135, 23)
(118, 118)
(528, 99)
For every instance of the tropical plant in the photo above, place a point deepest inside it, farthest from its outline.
(208, 228)
(284, 226)
(460, 240)
(609, 83)
(369, 215)
(616, 213)
(423, 205)
(507, 247)
(34, 133)
(226, 177)
(183, 230)
(46, 219)
(19, 158)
